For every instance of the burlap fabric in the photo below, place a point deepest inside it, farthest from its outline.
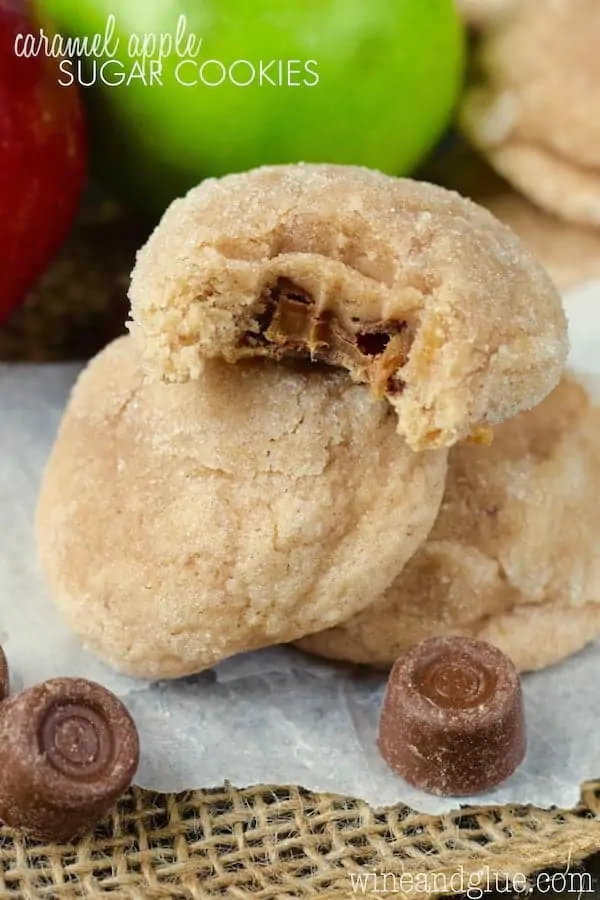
(278, 842)
(266, 841)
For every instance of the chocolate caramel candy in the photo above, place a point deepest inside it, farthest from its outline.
(4, 677)
(68, 750)
(452, 721)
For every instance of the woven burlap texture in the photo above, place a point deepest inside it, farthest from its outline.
(264, 842)
(283, 842)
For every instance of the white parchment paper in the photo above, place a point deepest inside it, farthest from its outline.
(274, 716)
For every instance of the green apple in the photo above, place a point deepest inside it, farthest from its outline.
(225, 85)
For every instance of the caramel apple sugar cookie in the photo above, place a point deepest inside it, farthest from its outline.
(179, 524)
(534, 107)
(415, 290)
(513, 558)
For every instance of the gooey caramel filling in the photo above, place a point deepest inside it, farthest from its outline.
(289, 324)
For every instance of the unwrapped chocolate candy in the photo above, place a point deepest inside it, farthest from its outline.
(68, 750)
(452, 721)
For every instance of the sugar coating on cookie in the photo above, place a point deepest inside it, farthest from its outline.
(414, 290)
(569, 253)
(179, 524)
(533, 108)
(513, 557)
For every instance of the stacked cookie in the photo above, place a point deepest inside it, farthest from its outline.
(292, 445)
(512, 558)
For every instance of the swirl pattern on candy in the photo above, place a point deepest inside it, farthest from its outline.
(69, 750)
(452, 721)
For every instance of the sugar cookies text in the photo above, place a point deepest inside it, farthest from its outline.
(151, 60)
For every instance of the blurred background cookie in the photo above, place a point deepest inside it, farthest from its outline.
(180, 524)
(513, 558)
(533, 105)
(570, 253)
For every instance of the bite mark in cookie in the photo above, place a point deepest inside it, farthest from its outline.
(288, 321)
(416, 291)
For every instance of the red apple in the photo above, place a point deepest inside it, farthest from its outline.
(42, 157)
